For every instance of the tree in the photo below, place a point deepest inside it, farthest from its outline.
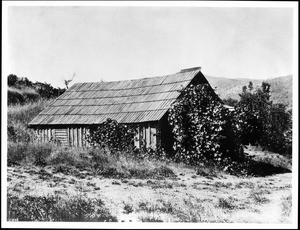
(262, 122)
(12, 79)
(253, 110)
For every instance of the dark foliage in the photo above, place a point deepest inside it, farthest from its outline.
(12, 80)
(262, 122)
(204, 129)
(112, 135)
(47, 91)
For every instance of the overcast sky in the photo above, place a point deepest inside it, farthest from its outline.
(49, 44)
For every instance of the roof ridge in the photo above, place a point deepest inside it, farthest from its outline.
(136, 79)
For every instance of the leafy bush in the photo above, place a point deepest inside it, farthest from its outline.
(54, 208)
(203, 128)
(111, 135)
(16, 152)
(40, 153)
(35, 153)
(19, 133)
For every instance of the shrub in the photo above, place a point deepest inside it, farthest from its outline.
(203, 128)
(16, 152)
(19, 133)
(35, 153)
(76, 157)
(128, 208)
(40, 152)
(112, 135)
(150, 219)
(286, 205)
(54, 208)
(226, 203)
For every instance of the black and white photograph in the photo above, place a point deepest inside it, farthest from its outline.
(149, 114)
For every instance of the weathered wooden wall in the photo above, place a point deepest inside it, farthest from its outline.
(146, 135)
(70, 136)
(75, 136)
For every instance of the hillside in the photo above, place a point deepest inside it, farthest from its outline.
(281, 87)
(22, 90)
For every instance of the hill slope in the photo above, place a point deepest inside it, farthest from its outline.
(22, 90)
(281, 87)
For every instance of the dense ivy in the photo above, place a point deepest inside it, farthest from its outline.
(204, 130)
(111, 135)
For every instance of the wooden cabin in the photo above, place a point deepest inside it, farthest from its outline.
(143, 103)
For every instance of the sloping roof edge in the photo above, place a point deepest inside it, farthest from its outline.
(130, 101)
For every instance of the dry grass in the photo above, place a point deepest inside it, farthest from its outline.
(286, 203)
(186, 199)
(18, 118)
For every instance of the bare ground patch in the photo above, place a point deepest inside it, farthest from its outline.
(186, 198)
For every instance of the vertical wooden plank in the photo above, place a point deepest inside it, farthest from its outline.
(52, 134)
(45, 135)
(68, 136)
(49, 134)
(153, 137)
(136, 137)
(83, 135)
(37, 134)
(140, 136)
(80, 136)
(42, 135)
(158, 134)
(71, 137)
(143, 135)
(148, 139)
(75, 137)
(87, 131)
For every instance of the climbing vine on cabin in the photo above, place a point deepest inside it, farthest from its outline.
(111, 135)
(204, 130)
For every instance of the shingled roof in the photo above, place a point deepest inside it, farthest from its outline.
(130, 101)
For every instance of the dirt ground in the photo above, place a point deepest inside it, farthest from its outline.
(188, 197)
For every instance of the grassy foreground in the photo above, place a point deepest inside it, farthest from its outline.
(50, 183)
